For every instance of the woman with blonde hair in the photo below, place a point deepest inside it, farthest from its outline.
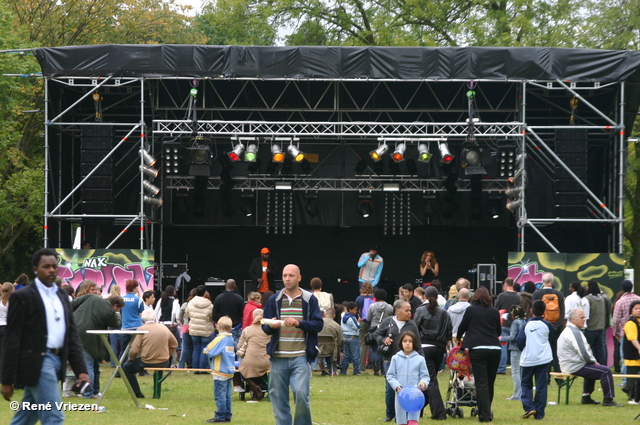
(87, 287)
(6, 290)
(429, 268)
(253, 351)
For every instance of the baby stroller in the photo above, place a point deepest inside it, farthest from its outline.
(462, 390)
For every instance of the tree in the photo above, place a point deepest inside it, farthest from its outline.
(244, 22)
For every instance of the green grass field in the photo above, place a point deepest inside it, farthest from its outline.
(339, 400)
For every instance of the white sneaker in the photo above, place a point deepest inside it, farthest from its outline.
(633, 402)
(238, 389)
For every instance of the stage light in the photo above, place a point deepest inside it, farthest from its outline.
(250, 155)
(391, 187)
(506, 161)
(398, 153)
(295, 153)
(234, 155)
(378, 152)
(152, 201)
(516, 177)
(276, 153)
(361, 166)
(513, 192)
(171, 155)
(200, 154)
(513, 205)
(472, 156)
(147, 158)
(148, 171)
(365, 207)
(149, 187)
(445, 154)
(472, 159)
(423, 153)
(283, 186)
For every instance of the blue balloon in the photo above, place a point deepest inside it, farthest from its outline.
(411, 399)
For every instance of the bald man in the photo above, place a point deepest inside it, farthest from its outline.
(297, 316)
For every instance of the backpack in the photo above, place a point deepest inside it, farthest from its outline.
(552, 311)
(365, 306)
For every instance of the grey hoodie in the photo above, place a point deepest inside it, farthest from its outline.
(456, 312)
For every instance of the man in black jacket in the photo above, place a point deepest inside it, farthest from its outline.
(230, 303)
(263, 272)
(40, 338)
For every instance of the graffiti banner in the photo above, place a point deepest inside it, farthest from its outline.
(107, 267)
(607, 269)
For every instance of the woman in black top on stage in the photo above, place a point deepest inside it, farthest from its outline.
(429, 268)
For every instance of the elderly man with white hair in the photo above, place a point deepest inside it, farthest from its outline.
(575, 357)
(153, 349)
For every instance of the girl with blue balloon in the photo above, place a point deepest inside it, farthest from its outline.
(409, 377)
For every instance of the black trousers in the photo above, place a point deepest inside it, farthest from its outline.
(433, 357)
(485, 364)
(132, 367)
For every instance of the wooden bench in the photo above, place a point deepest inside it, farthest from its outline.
(565, 380)
(158, 379)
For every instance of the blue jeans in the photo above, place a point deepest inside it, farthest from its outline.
(504, 354)
(113, 340)
(199, 359)
(515, 374)
(291, 372)
(222, 394)
(186, 359)
(93, 369)
(351, 349)
(235, 333)
(389, 393)
(47, 390)
(529, 402)
(623, 366)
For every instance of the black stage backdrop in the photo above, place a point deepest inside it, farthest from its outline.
(331, 253)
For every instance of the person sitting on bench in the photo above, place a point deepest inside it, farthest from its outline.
(153, 349)
(576, 358)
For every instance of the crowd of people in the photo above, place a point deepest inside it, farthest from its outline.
(280, 333)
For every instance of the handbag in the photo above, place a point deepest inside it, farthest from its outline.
(369, 338)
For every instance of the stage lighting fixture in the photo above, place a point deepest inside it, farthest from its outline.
(149, 187)
(513, 192)
(423, 153)
(506, 161)
(234, 155)
(295, 153)
(283, 186)
(472, 159)
(516, 177)
(412, 168)
(398, 153)
(148, 171)
(513, 205)
(276, 153)
(365, 207)
(378, 152)
(391, 187)
(152, 201)
(147, 158)
(251, 154)
(445, 154)
(171, 155)
(200, 154)
(361, 166)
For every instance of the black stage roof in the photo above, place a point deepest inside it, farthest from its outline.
(321, 62)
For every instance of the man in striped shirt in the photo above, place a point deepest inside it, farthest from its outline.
(294, 340)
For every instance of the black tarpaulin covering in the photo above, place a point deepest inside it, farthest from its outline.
(404, 63)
